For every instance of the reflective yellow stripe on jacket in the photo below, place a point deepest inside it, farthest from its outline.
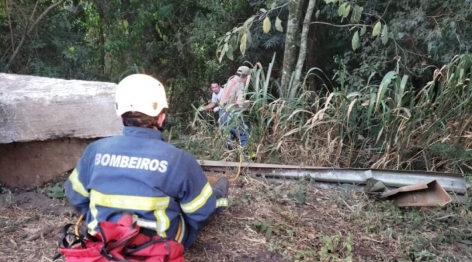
(77, 185)
(156, 204)
(221, 202)
(198, 201)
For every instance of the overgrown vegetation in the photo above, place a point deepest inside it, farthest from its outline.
(383, 84)
(385, 124)
(177, 41)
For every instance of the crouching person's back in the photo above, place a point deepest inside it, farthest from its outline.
(162, 187)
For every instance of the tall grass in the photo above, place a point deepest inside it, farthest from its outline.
(384, 125)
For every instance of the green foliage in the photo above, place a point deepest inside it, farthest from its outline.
(256, 33)
(53, 190)
(97, 40)
(419, 35)
(336, 247)
(56, 48)
(373, 84)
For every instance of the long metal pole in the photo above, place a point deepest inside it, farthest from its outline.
(451, 182)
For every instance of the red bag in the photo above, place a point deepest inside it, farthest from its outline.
(120, 241)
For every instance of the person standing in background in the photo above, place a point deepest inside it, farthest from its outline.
(232, 104)
(215, 100)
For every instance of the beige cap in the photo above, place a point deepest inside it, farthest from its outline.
(244, 70)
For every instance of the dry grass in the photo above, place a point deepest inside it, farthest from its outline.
(28, 234)
(270, 221)
(386, 124)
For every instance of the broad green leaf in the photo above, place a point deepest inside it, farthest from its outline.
(242, 46)
(227, 38)
(249, 21)
(384, 86)
(341, 10)
(221, 56)
(278, 25)
(355, 41)
(248, 38)
(236, 29)
(125, 23)
(363, 30)
(344, 9)
(234, 42)
(317, 14)
(371, 106)
(377, 28)
(401, 90)
(229, 52)
(273, 4)
(57, 191)
(224, 50)
(384, 36)
(263, 10)
(356, 13)
(331, 1)
(266, 25)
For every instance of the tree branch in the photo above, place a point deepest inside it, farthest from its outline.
(28, 30)
(7, 7)
(43, 14)
(348, 25)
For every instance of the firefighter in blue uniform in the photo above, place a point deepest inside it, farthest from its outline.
(138, 172)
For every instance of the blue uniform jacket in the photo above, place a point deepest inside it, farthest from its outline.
(140, 172)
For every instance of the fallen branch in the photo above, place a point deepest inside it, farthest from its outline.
(40, 233)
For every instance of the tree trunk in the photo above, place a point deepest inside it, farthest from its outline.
(302, 53)
(291, 37)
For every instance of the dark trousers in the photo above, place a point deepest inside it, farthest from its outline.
(239, 129)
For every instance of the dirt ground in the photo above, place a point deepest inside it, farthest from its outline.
(273, 222)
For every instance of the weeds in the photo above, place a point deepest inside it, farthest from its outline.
(387, 125)
(336, 247)
(56, 190)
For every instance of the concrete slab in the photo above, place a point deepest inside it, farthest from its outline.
(31, 164)
(40, 108)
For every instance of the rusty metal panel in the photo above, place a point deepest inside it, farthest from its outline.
(423, 194)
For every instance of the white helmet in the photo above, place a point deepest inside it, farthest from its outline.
(140, 93)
